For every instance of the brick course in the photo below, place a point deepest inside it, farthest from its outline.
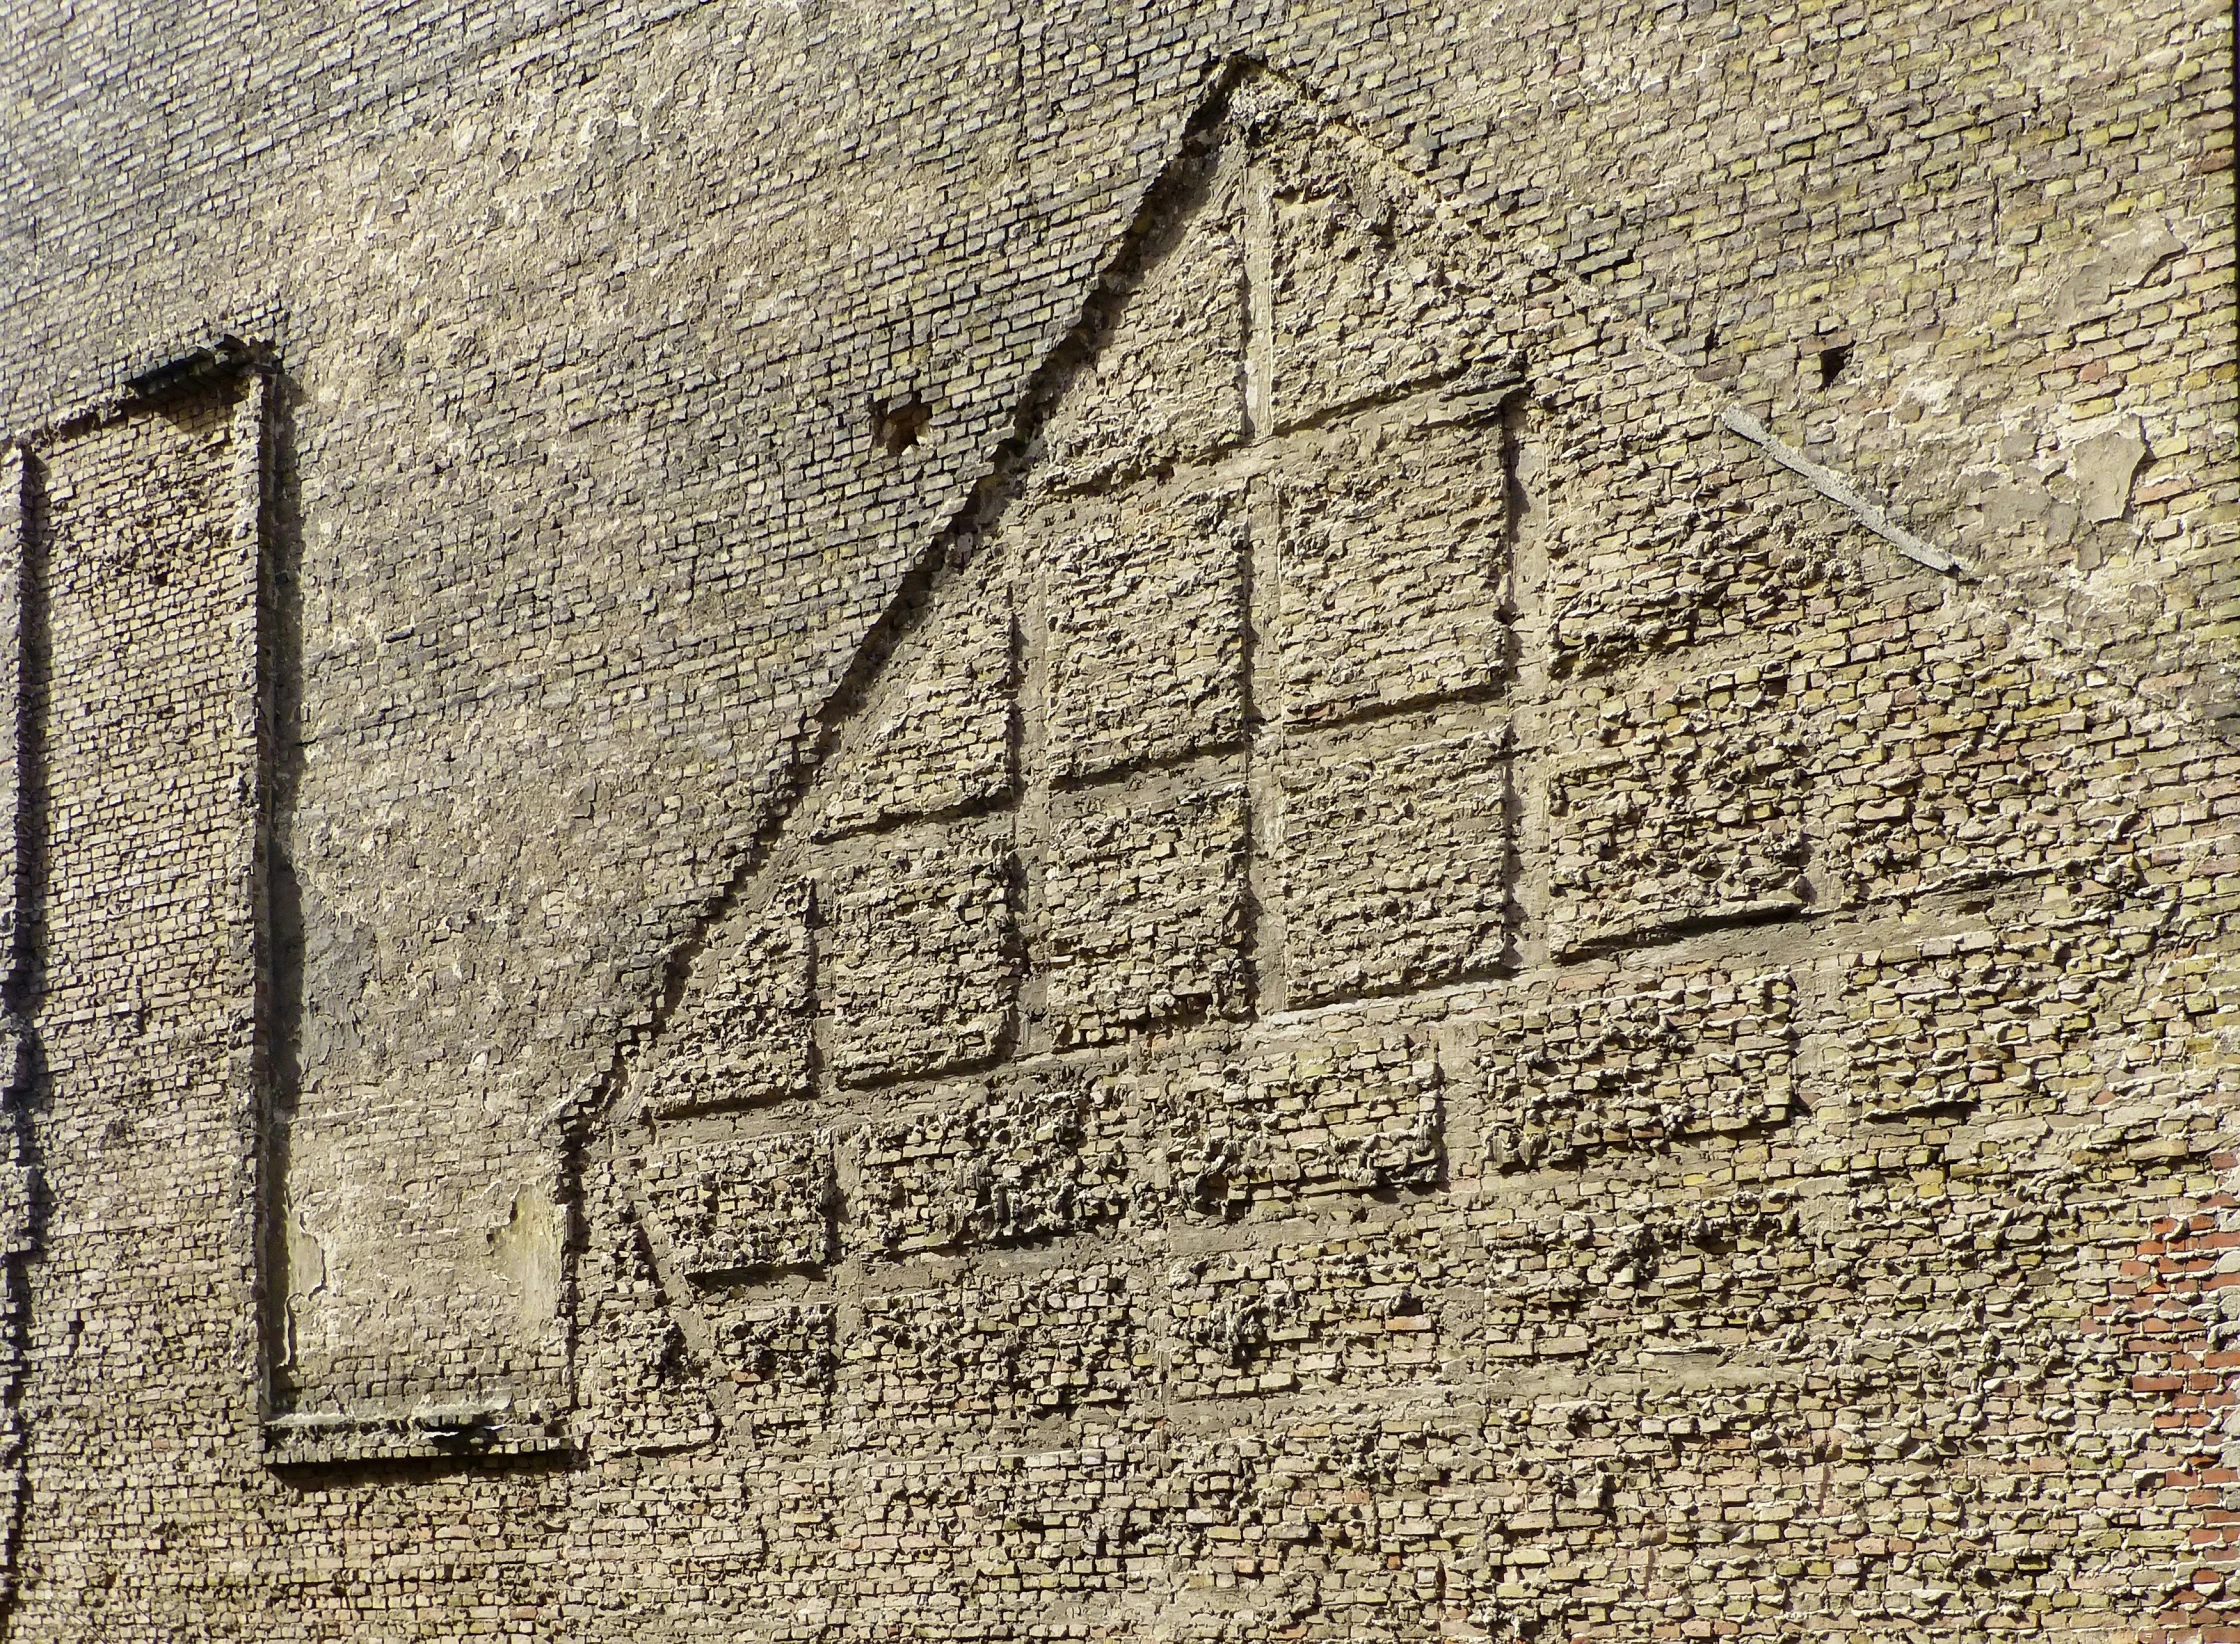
(990, 826)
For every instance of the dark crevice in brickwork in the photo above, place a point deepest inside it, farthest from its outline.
(222, 356)
(1256, 944)
(1515, 411)
(1425, 702)
(755, 1275)
(24, 1076)
(321, 1479)
(1151, 765)
(1668, 931)
(285, 984)
(26, 599)
(899, 422)
(1475, 392)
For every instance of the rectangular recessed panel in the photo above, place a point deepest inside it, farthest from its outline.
(727, 1204)
(1679, 807)
(1144, 911)
(922, 944)
(142, 636)
(1394, 858)
(1145, 600)
(1392, 567)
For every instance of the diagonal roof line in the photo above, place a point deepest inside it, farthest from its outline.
(1730, 415)
(946, 549)
(2040, 632)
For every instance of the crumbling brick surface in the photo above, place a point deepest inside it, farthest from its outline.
(1684, 806)
(728, 1205)
(1393, 860)
(929, 824)
(1391, 563)
(921, 943)
(1165, 383)
(1145, 912)
(1576, 1066)
(941, 739)
(1146, 615)
(980, 1163)
(753, 1024)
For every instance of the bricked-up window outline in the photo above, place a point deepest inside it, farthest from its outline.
(141, 656)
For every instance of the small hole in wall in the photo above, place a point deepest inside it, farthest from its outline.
(1832, 362)
(897, 424)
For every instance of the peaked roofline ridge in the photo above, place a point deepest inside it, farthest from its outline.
(2037, 633)
(948, 550)
(1149, 228)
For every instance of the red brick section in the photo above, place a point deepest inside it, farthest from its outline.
(2164, 1309)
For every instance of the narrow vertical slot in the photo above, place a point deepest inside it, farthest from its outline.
(258, 713)
(1260, 307)
(1263, 935)
(16, 507)
(21, 599)
(1528, 649)
(1016, 541)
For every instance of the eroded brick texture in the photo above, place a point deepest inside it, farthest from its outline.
(990, 1163)
(1557, 1038)
(1145, 900)
(1393, 864)
(1053, 856)
(942, 739)
(752, 1037)
(1144, 600)
(1391, 555)
(921, 952)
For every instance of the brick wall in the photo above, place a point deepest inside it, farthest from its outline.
(1058, 845)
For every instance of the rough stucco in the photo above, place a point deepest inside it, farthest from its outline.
(1030, 833)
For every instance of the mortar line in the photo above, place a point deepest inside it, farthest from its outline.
(1263, 593)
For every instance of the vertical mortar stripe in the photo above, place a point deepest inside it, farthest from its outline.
(1263, 572)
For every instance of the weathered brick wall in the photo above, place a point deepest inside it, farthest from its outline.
(1062, 844)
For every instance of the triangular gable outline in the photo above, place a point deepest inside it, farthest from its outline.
(1144, 238)
(829, 732)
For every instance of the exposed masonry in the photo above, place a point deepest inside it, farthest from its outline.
(1408, 994)
(19, 780)
(136, 828)
(1258, 975)
(1831, 485)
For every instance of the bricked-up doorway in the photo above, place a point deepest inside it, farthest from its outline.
(134, 921)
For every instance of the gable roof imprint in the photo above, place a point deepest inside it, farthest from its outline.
(1221, 748)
